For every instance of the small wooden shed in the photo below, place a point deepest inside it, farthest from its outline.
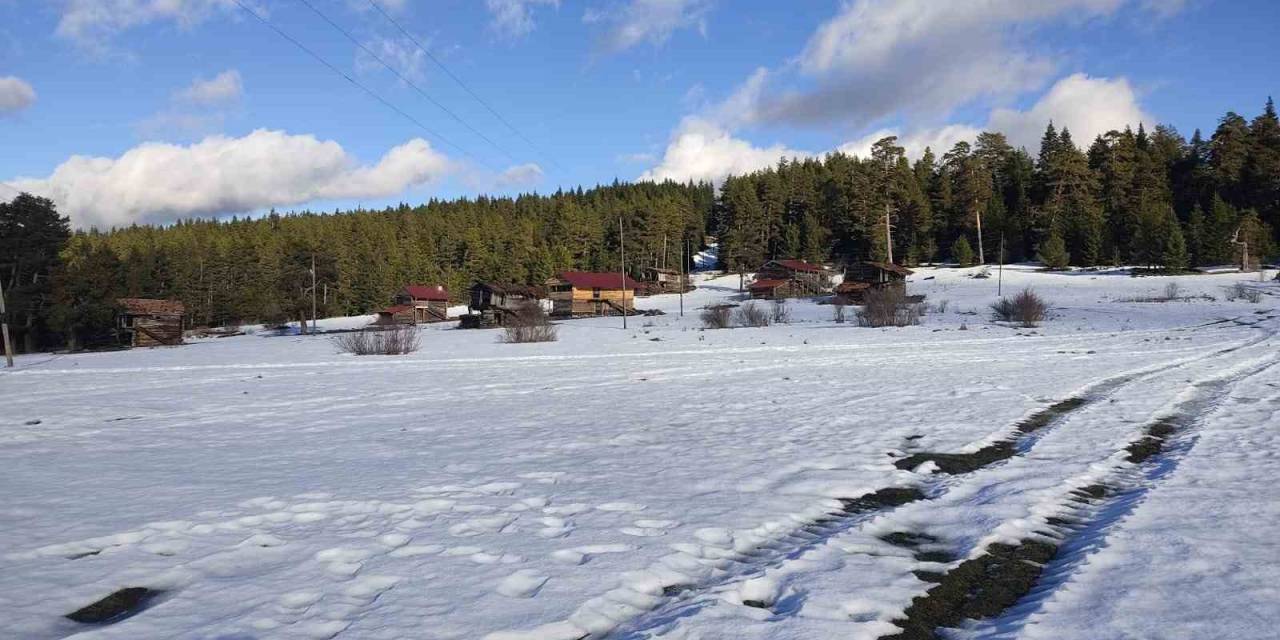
(861, 277)
(589, 293)
(494, 302)
(416, 304)
(770, 289)
(147, 322)
(655, 280)
(801, 279)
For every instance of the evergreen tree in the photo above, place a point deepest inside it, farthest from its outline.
(1053, 252)
(962, 252)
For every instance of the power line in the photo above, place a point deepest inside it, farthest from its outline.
(405, 80)
(362, 87)
(462, 84)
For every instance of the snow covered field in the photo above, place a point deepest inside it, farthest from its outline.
(647, 482)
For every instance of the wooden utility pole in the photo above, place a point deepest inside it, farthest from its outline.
(622, 245)
(313, 293)
(1000, 272)
(4, 326)
(683, 246)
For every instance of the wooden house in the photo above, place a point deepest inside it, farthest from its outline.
(586, 293)
(655, 280)
(417, 304)
(493, 303)
(790, 279)
(150, 323)
(863, 276)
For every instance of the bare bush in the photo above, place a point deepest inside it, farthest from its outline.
(780, 313)
(752, 315)
(887, 308)
(1172, 290)
(1240, 291)
(529, 323)
(717, 317)
(1026, 308)
(376, 341)
(838, 313)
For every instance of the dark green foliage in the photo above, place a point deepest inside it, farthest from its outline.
(962, 252)
(31, 236)
(1053, 253)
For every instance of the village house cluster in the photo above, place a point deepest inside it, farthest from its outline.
(570, 294)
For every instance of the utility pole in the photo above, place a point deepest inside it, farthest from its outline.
(313, 292)
(4, 326)
(977, 214)
(682, 268)
(622, 244)
(1000, 272)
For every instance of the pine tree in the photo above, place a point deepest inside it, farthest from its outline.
(1053, 252)
(1174, 256)
(962, 252)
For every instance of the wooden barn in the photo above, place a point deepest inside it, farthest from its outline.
(790, 279)
(586, 293)
(417, 304)
(655, 280)
(863, 276)
(145, 322)
(493, 303)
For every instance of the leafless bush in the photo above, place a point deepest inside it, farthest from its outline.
(780, 313)
(393, 341)
(752, 315)
(887, 308)
(529, 323)
(717, 317)
(1240, 291)
(838, 313)
(1026, 308)
(1172, 290)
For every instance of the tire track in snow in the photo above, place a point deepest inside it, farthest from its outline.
(680, 584)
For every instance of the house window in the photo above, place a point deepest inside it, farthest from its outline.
(595, 293)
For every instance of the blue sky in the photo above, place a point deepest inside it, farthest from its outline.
(152, 110)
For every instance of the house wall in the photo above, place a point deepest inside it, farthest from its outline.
(589, 302)
(152, 331)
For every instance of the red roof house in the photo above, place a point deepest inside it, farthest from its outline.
(582, 293)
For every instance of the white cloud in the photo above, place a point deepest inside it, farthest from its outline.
(156, 182)
(91, 22)
(401, 53)
(16, 94)
(640, 21)
(1087, 106)
(521, 175)
(880, 58)
(514, 18)
(224, 88)
(702, 150)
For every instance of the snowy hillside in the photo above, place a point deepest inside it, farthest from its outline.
(662, 480)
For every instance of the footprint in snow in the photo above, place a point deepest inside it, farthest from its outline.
(620, 507)
(649, 528)
(524, 583)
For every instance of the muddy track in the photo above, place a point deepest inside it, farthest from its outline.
(998, 579)
(681, 600)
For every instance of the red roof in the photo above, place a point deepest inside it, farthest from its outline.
(767, 284)
(892, 268)
(151, 307)
(593, 280)
(800, 265)
(426, 292)
(400, 308)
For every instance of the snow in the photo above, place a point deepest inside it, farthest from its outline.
(658, 480)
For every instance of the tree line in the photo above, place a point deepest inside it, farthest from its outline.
(1151, 199)
(1144, 198)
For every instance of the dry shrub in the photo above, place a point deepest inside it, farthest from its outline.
(717, 317)
(375, 341)
(752, 315)
(1239, 291)
(887, 308)
(780, 313)
(1026, 308)
(837, 312)
(529, 323)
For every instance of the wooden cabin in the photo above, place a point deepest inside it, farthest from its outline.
(790, 279)
(493, 303)
(655, 280)
(863, 276)
(417, 304)
(586, 293)
(146, 322)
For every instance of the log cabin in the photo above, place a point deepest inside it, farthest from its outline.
(146, 322)
(493, 303)
(790, 279)
(861, 277)
(417, 304)
(586, 293)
